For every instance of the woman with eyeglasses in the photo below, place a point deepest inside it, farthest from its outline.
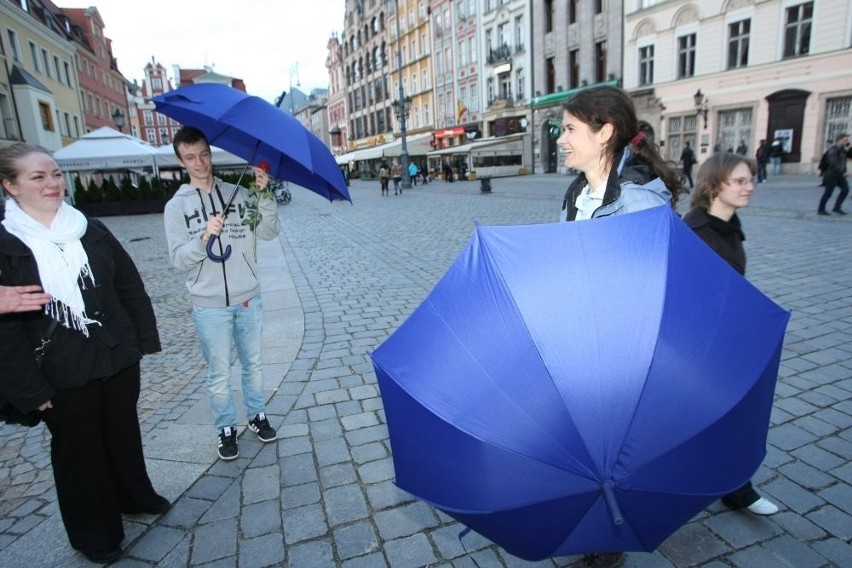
(725, 184)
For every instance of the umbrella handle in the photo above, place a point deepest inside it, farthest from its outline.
(212, 255)
(609, 497)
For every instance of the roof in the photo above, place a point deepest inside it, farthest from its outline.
(21, 76)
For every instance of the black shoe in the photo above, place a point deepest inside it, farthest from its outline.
(103, 556)
(260, 426)
(228, 449)
(839, 211)
(823, 213)
(157, 505)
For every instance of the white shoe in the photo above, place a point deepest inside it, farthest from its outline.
(763, 507)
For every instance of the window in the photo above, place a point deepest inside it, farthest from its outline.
(148, 117)
(681, 129)
(34, 55)
(735, 125)
(45, 58)
(686, 56)
(46, 117)
(519, 33)
(506, 86)
(738, 33)
(57, 68)
(521, 87)
(838, 117)
(600, 61)
(67, 73)
(550, 69)
(548, 16)
(600, 6)
(797, 29)
(572, 11)
(573, 68)
(646, 65)
(13, 45)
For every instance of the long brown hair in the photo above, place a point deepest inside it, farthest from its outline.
(597, 106)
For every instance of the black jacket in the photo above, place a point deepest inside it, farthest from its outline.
(118, 301)
(724, 237)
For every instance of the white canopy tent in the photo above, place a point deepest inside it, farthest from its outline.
(106, 149)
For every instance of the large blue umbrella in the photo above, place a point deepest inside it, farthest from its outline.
(256, 130)
(582, 387)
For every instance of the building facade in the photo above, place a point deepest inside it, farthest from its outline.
(576, 45)
(337, 110)
(716, 73)
(40, 98)
(102, 86)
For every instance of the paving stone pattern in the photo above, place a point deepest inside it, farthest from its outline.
(323, 495)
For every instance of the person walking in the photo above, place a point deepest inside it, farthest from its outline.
(835, 175)
(98, 324)
(776, 152)
(687, 158)
(384, 176)
(725, 185)
(227, 307)
(396, 174)
(620, 172)
(412, 173)
(761, 155)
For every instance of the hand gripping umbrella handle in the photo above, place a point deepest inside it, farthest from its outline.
(611, 503)
(217, 257)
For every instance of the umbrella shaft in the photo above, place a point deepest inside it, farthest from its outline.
(609, 497)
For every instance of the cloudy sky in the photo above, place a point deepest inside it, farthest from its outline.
(258, 41)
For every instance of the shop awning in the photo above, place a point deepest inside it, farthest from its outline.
(551, 99)
(478, 144)
(418, 145)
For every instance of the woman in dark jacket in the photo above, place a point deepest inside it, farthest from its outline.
(87, 385)
(726, 183)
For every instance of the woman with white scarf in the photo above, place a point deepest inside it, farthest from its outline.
(87, 385)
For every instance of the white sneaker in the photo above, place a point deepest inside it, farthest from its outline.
(763, 507)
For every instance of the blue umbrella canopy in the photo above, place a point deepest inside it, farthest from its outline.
(256, 130)
(582, 387)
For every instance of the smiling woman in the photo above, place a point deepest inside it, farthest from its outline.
(95, 327)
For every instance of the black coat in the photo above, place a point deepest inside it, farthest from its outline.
(118, 301)
(724, 237)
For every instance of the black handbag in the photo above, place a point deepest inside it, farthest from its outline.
(9, 413)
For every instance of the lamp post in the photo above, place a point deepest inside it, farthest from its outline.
(702, 106)
(401, 105)
(119, 119)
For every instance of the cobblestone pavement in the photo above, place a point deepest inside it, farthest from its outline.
(323, 495)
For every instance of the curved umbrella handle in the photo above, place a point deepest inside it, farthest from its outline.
(212, 255)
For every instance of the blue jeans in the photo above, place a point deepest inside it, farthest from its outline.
(219, 329)
(776, 165)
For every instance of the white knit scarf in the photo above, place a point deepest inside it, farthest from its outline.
(62, 263)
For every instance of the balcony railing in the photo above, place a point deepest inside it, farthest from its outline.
(499, 55)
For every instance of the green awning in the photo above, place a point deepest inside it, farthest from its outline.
(557, 98)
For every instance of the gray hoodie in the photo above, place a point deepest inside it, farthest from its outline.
(213, 284)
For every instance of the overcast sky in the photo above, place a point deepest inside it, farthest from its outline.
(258, 41)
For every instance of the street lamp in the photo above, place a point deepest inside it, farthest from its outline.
(119, 119)
(401, 105)
(702, 106)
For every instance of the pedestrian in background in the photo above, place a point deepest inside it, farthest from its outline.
(227, 308)
(742, 149)
(687, 158)
(761, 155)
(396, 174)
(776, 152)
(384, 176)
(835, 175)
(725, 185)
(412, 173)
(620, 172)
(99, 322)
(823, 162)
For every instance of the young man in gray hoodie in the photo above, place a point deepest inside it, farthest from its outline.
(225, 294)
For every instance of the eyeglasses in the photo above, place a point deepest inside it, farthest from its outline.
(743, 181)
